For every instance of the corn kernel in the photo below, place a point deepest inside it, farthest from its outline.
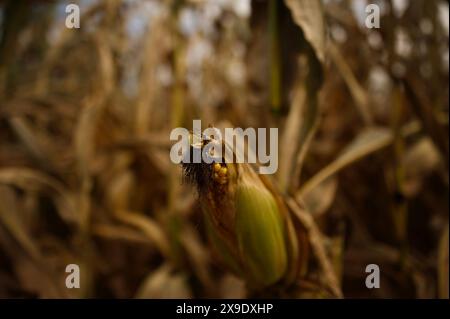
(223, 171)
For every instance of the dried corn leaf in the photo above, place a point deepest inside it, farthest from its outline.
(308, 15)
(9, 217)
(320, 198)
(368, 141)
(29, 179)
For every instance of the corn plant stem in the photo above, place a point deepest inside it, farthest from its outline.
(442, 267)
(356, 90)
(174, 222)
(275, 67)
(400, 208)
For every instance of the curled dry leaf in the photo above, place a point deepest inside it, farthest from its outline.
(308, 15)
(303, 118)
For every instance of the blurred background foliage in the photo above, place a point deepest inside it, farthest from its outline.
(85, 117)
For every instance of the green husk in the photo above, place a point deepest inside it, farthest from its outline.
(260, 235)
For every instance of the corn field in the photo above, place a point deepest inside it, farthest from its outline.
(362, 178)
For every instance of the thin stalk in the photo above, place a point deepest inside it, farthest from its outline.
(177, 105)
(400, 208)
(275, 63)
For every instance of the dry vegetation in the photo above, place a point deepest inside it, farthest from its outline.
(85, 116)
